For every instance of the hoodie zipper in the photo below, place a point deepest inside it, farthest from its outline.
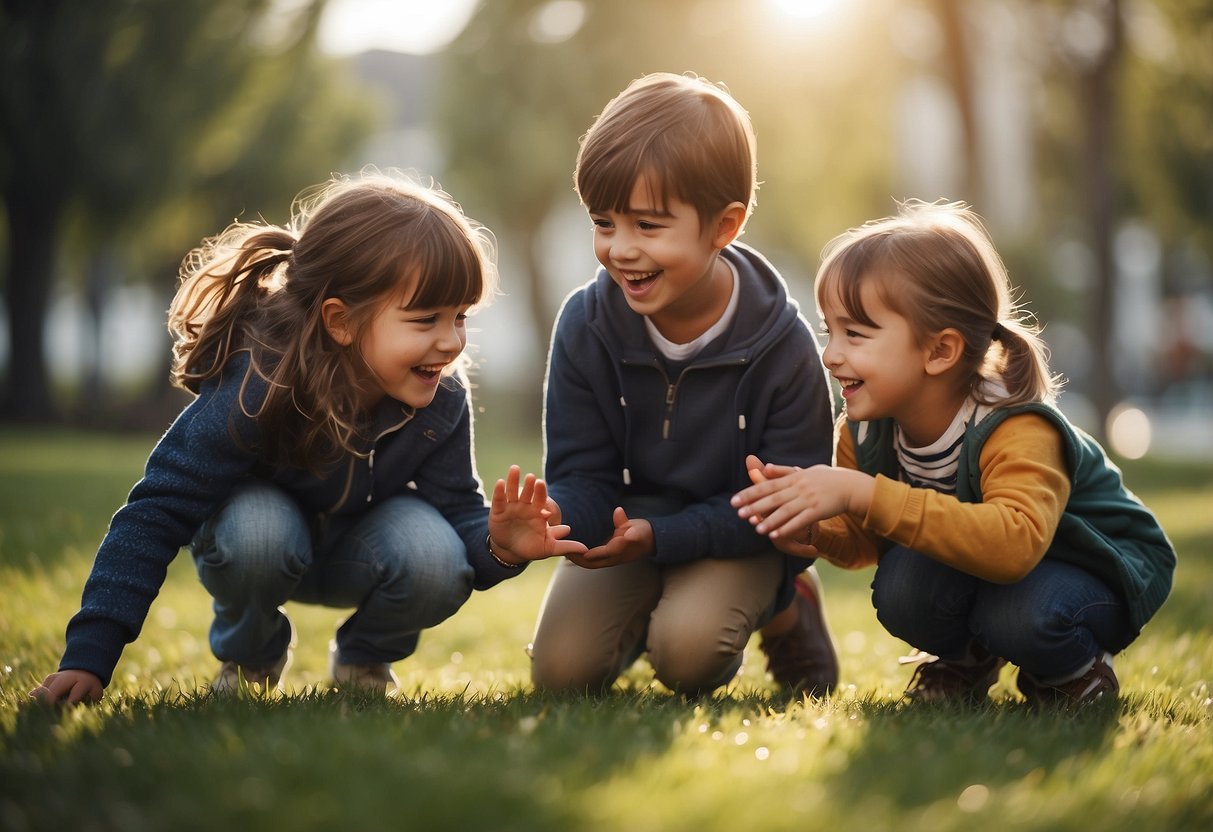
(351, 469)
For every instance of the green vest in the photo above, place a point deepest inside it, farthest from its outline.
(1104, 528)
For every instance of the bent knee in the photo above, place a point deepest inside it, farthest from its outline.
(565, 665)
(692, 658)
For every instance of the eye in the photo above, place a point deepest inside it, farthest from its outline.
(600, 223)
(645, 225)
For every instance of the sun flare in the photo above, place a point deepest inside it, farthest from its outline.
(806, 9)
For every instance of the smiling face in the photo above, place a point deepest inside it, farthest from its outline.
(880, 364)
(665, 262)
(405, 350)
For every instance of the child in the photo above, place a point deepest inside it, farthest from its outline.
(683, 355)
(327, 457)
(1001, 531)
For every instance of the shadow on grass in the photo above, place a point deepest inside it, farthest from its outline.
(913, 755)
(323, 760)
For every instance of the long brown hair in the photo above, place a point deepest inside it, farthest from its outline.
(260, 288)
(936, 266)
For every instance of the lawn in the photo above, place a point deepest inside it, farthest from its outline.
(467, 744)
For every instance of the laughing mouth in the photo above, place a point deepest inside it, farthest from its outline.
(638, 279)
(429, 372)
(849, 385)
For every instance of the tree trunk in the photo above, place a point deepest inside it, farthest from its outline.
(33, 232)
(1099, 108)
(960, 81)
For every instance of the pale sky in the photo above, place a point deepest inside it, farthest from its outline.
(416, 26)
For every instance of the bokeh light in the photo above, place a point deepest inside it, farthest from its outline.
(1129, 432)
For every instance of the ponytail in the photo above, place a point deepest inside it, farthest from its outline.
(224, 287)
(1019, 358)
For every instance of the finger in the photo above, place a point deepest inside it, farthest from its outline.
(793, 526)
(771, 470)
(540, 496)
(756, 491)
(511, 483)
(619, 516)
(528, 489)
(499, 493)
(561, 531)
(568, 548)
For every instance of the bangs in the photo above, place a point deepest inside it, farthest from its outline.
(607, 183)
(450, 269)
(845, 273)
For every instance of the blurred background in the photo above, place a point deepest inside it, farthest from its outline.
(1082, 130)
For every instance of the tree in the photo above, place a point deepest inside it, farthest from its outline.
(129, 115)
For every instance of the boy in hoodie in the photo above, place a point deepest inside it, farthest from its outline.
(683, 355)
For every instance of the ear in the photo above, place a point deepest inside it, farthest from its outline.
(729, 224)
(337, 321)
(944, 350)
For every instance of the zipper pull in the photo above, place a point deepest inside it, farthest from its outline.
(370, 464)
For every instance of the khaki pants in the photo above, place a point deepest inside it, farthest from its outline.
(693, 621)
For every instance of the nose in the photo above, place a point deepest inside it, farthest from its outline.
(623, 245)
(452, 338)
(831, 356)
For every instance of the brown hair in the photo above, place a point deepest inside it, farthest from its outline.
(690, 135)
(936, 266)
(260, 288)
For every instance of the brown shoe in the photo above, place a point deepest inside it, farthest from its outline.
(937, 680)
(1097, 683)
(803, 659)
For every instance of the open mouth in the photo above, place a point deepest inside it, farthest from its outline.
(639, 281)
(850, 386)
(429, 372)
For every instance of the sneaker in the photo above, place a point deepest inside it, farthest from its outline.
(937, 680)
(1099, 681)
(803, 659)
(373, 679)
(234, 678)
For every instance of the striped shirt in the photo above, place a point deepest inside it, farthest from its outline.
(935, 466)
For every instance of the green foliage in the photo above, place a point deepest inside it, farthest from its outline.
(469, 745)
(143, 126)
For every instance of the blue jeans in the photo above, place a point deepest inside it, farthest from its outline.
(1050, 623)
(400, 565)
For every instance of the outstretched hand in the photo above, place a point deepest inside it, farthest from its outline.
(69, 687)
(785, 502)
(631, 540)
(524, 522)
(800, 546)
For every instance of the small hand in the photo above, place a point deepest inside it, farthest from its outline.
(71, 687)
(631, 540)
(784, 502)
(519, 521)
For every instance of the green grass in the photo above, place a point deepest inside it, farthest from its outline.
(469, 745)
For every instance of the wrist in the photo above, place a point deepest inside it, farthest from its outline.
(508, 564)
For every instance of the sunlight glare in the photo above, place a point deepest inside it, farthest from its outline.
(806, 9)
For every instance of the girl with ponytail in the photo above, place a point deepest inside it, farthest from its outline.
(1000, 531)
(327, 455)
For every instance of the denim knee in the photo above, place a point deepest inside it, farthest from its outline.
(421, 561)
(259, 537)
